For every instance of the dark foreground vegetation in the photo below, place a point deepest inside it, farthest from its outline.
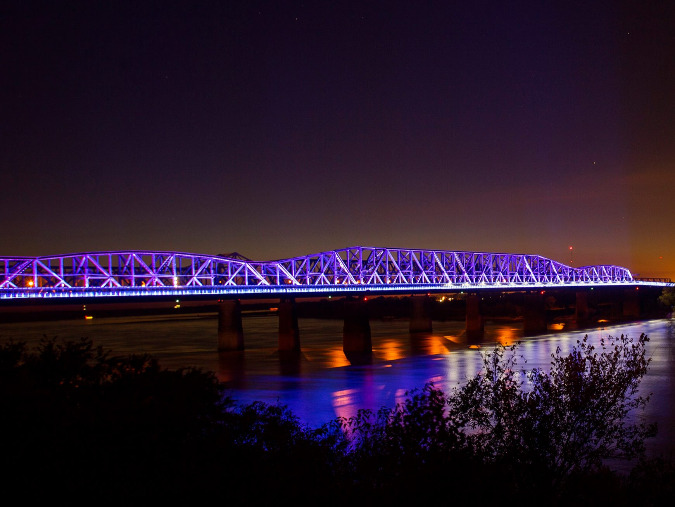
(78, 425)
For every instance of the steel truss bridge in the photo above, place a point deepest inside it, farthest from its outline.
(350, 270)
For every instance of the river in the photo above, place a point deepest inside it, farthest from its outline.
(320, 384)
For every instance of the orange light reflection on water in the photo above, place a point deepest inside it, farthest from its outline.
(337, 358)
(452, 338)
(507, 336)
(435, 345)
(390, 350)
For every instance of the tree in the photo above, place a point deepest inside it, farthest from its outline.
(403, 454)
(667, 298)
(564, 421)
(531, 430)
(76, 422)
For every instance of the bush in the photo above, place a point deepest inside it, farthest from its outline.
(566, 420)
(534, 430)
(77, 423)
(667, 298)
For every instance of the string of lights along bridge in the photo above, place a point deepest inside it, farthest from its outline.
(351, 270)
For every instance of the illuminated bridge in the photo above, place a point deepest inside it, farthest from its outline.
(350, 270)
(357, 271)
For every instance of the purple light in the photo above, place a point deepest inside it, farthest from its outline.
(355, 269)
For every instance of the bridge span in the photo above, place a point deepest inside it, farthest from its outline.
(143, 274)
(353, 272)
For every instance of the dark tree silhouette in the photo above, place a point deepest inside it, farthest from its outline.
(77, 424)
(532, 431)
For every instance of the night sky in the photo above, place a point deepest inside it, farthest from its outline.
(283, 128)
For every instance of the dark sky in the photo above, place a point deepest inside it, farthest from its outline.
(282, 128)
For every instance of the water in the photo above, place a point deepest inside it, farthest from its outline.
(321, 384)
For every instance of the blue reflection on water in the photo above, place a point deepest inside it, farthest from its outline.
(317, 396)
(320, 384)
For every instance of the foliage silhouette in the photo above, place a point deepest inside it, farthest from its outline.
(564, 421)
(537, 429)
(77, 423)
(667, 298)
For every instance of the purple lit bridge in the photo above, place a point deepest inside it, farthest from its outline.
(356, 271)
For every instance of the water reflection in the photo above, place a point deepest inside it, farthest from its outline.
(320, 382)
(232, 368)
(390, 350)
(429, 344)
(507, 336)
(290, 362)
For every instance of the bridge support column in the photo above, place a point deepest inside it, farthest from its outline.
(356, 332)
(289, 332)
(230, 329)
(615, 312)
(581, 312)
(534, 314)
(475, 328)
(631, 304)
(420, 314)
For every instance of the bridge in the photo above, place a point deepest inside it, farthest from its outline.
(354, 271)
(350, 270)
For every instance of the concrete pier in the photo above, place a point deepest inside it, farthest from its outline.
(534, 314)
(420, 314)
(356, 331)
(581, 312)
(475, 327)
(631, 304)
(230, 330)
(289, 332)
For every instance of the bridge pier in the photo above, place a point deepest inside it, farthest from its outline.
(614, 304)
(289, 332)
(631, 304)
(230, 329)
(475, 327)
(534, 314)
(356, 338)
(581, 312)
(420, 314)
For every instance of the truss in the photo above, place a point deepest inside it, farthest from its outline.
(350, 269)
